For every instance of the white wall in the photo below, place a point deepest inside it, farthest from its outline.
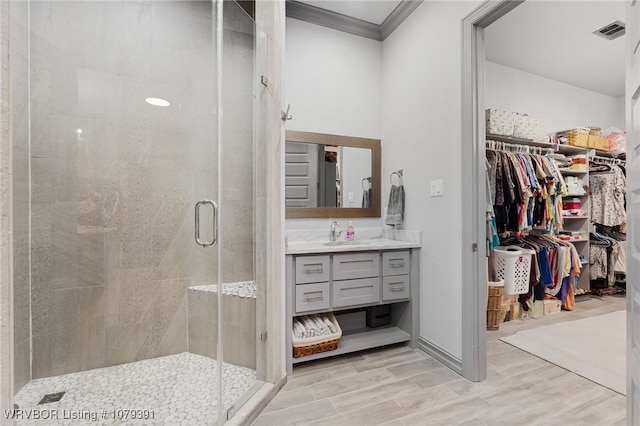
(557, 105)
(421, 134)
(621, 114)
(333, 82)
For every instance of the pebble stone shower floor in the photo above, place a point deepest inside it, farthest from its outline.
(174, 389)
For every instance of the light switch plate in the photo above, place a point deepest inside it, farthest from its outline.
(436, 188)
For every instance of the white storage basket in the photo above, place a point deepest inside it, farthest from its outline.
(513, 265)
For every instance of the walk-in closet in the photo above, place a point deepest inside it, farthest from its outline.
(556, 180)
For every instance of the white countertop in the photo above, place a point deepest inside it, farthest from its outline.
(317, 241)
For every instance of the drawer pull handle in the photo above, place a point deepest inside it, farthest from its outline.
(312, 268)
(399, 264)
(313, 297)
(396, 288)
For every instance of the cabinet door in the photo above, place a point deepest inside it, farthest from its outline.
(355, 292)
(395, 263)
(395, 287)
(312, 297)
(356, 265)
(312, 269)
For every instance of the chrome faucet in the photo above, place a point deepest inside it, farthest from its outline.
(333, 235)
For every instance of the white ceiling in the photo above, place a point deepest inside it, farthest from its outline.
(374, 11)
(554, 39)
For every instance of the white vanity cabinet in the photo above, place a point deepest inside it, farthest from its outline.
(348, 282)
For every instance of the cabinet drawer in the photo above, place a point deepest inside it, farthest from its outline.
(395, 287)
(312, 269)
(395, 263)
(356, 265)
(355, 292)
(312, 297)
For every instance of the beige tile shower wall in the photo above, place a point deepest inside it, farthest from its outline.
(113, 249)
(20, 127)
(239, 318)
(6, 226)
(238, 151)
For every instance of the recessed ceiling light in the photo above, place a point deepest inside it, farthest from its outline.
(157, 102)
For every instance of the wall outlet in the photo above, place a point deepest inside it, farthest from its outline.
(351, 197)
(436, 188)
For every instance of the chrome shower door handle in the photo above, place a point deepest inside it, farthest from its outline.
(214, 206)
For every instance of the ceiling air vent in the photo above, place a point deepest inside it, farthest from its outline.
(611, 31)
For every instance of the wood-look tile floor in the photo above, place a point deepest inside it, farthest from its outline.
(400, 386)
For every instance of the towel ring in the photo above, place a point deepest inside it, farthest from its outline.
(368, 182)
(397, 173)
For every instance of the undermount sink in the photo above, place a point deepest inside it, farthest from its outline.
(346, 243)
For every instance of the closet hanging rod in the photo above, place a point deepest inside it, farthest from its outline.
(523, 149)
(607, 160)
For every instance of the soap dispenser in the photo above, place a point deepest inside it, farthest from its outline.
(351, 234)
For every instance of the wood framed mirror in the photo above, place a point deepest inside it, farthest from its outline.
(331, 176)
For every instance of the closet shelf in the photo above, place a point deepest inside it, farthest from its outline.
(572, 173)
(575, 217)
(510, 139)
(561, 148)
(576, 195)
(612, 154)
(570, 149)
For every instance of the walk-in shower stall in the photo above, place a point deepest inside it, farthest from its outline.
(137, 235)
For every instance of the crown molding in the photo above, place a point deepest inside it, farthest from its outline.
(399, 14)
(337, 21)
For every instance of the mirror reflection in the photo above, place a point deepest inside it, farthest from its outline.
(318, 175)
(331, 175)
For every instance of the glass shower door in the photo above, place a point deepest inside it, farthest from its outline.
(123, 148)
(240, 219)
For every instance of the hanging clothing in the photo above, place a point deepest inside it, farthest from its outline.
(597, 262)
(558, 264)
(607, 197)
(526, 190)
(493, 240)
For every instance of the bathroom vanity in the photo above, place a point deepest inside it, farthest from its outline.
(371, 285)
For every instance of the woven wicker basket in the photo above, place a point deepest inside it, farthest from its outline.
(331, 345)
(494, 303)
(493, 320)
(494, 300)
(315, 345)
(579, 137)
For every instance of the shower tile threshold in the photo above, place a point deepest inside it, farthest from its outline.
(174, 389)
